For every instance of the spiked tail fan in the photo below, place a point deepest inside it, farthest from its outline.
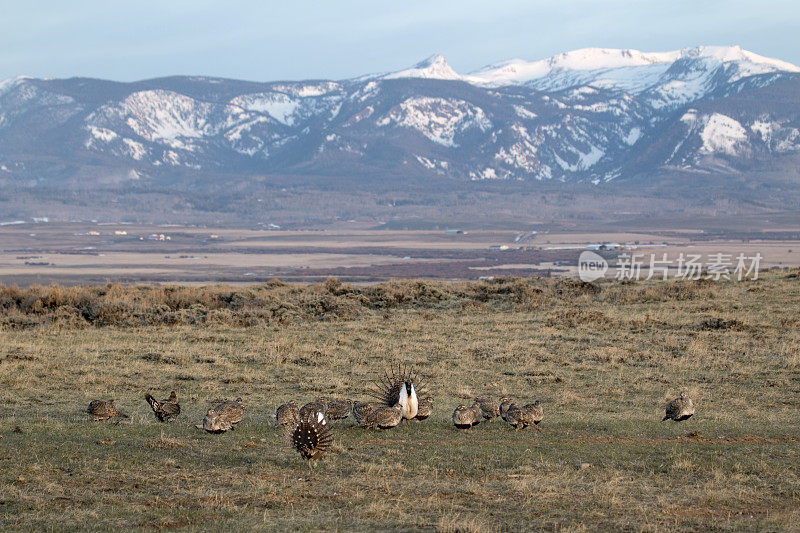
(386, 389)
(152, 401)
(310, 437)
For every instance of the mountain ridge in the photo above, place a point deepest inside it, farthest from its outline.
(558, 120)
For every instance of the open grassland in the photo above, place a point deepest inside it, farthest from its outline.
(603, 359)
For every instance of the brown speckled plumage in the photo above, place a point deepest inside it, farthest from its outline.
(505, 404)
(383, 418)
(465, 417)
(679, 409)
(525, 416)
(339, 409)
(288, 414)
(490, 408)
(166, 410)
(103, 410)
(361, 410)
(425, 408)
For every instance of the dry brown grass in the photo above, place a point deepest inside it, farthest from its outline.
(602, 360)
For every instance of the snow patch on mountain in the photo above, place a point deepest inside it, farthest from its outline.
(722, 134)
(279, 106)
(438, 119)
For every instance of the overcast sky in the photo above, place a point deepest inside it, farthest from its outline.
(266, 40)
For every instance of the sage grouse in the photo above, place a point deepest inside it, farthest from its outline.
(166, 410)
(311, 437)
(224, 416)
(505, 404)
(401, 387)
(320, 405)
(288, 414)
(361, 410)
(465, 417)
(525, 416)
(679, 409)
(490, 409)
(425, 408)
(103, 410)
(339, 409)
(383, 418)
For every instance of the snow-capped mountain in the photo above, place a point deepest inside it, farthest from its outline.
(587, 115)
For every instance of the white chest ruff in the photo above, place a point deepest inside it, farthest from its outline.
(408, 402)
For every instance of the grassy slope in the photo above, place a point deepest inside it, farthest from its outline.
(603, 365)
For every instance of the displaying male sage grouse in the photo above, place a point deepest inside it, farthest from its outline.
(224, 416)
(401, 387)
(165, 410)
(465, 417)
(311, 437)
(679, 409)
(288, 414)
(383, 418)
(425, 408)
(103, 410)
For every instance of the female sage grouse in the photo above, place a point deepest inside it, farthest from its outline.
(223, 417)
(339, 409)
(103, 410)
(425, 408)
(490, 409)
(383, 418)
(505, 404)
(527, 415)
(311, 437)
(401, 387)
(361, 410)
(465, 417)
(288, 414)
(165, 410)
(679, 409)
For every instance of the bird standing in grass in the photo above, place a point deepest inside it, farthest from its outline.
(679, 409)
(465, 417)
(424, 408)
(103, 410)
(361, 410)
(311, 437)
(224, 416)
(383, 418)
(288, 414)
(528, 415)
(213, 423)
(401, 387)
(505, 404)
(339, 409)
(490, 409)
(320, 405)
(166, 410)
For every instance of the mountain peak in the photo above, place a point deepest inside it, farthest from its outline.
(433, 67)
(627, 69)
